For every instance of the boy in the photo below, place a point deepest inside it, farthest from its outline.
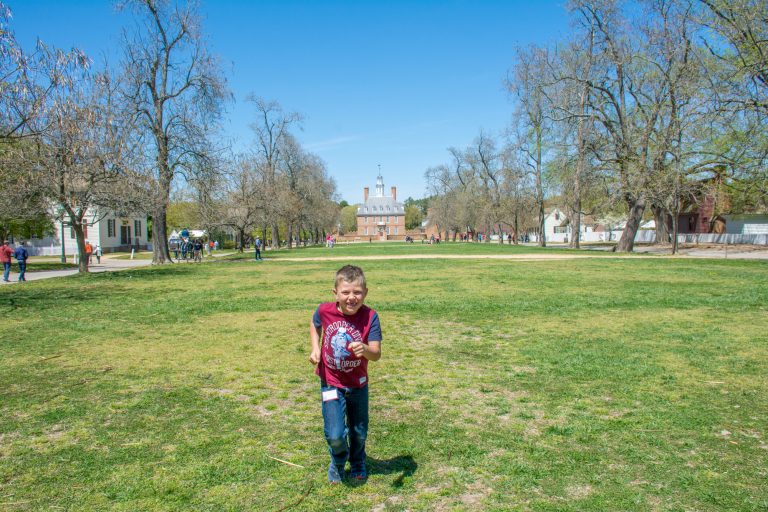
(351, 336)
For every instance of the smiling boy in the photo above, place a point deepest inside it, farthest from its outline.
(351, 336)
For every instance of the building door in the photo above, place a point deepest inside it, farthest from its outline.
(125, 235)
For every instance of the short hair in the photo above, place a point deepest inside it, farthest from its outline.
(350, 274)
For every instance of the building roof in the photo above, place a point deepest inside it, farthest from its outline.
(379, 204)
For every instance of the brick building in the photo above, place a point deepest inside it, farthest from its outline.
(381, 216)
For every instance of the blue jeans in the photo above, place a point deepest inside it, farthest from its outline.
(7, 271)
(22, 270)
(345, 425)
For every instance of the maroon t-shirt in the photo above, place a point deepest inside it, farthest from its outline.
(338, 365)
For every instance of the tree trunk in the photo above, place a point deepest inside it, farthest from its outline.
(160, 251)
(275, 237)
(663, 224)
(540, 190)
(517, 230)
(675, 223)
(289, 228)
(636, 210)
(77, 227)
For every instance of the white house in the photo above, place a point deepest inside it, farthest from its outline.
(115, 233)
(557, 227)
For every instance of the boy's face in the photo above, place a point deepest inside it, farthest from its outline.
(350, 296)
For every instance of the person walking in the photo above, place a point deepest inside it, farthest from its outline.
(21, 256)
(88, 251)
(257, 248)
(5, 258)
(98, 253)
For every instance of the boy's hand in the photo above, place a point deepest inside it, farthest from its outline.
(314, 357)
(357, 348)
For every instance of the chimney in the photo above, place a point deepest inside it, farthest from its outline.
(365, 194)
(394, 193)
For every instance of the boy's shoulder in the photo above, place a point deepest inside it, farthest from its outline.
(330, 308)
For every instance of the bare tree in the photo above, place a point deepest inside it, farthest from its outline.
(242, 208)
(27, 80)
(530, 77)
(271, 126)
(81, 161)
(176, 90)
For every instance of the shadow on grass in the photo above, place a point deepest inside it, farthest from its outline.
(403, 464)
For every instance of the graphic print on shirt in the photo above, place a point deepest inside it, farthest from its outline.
(338, 335)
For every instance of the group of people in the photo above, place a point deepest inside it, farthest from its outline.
(91, 251)
(193, 249)
(21, 255)
(330, 241)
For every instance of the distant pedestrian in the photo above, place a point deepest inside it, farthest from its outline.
(190, 249)
(184, 250)
(216, 245)
(257, 248)
(5, 258)
(210, 247)
(198, 248)
(21, 256)
(98, 253)
(88, 251)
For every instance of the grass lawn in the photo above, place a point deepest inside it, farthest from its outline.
(585, 384)
(35, 265)
(415, 249)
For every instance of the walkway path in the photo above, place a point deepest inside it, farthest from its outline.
(109, 263)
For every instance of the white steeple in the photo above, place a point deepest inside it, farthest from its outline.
(379, 185)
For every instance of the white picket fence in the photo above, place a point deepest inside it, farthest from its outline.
(648, 236)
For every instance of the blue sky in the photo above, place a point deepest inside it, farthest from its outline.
(390, 83)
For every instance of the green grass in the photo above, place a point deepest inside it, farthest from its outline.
(416, 248)
(42, 266)
(586, 384)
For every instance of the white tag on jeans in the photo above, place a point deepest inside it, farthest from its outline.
(329, 395)
(362, 380)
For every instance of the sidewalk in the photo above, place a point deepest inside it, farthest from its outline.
(109, 263)
(106, 265)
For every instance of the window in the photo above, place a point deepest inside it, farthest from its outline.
(387, 229)
(110, 228)
(137, 228)
(395, 229)
(387, 208)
